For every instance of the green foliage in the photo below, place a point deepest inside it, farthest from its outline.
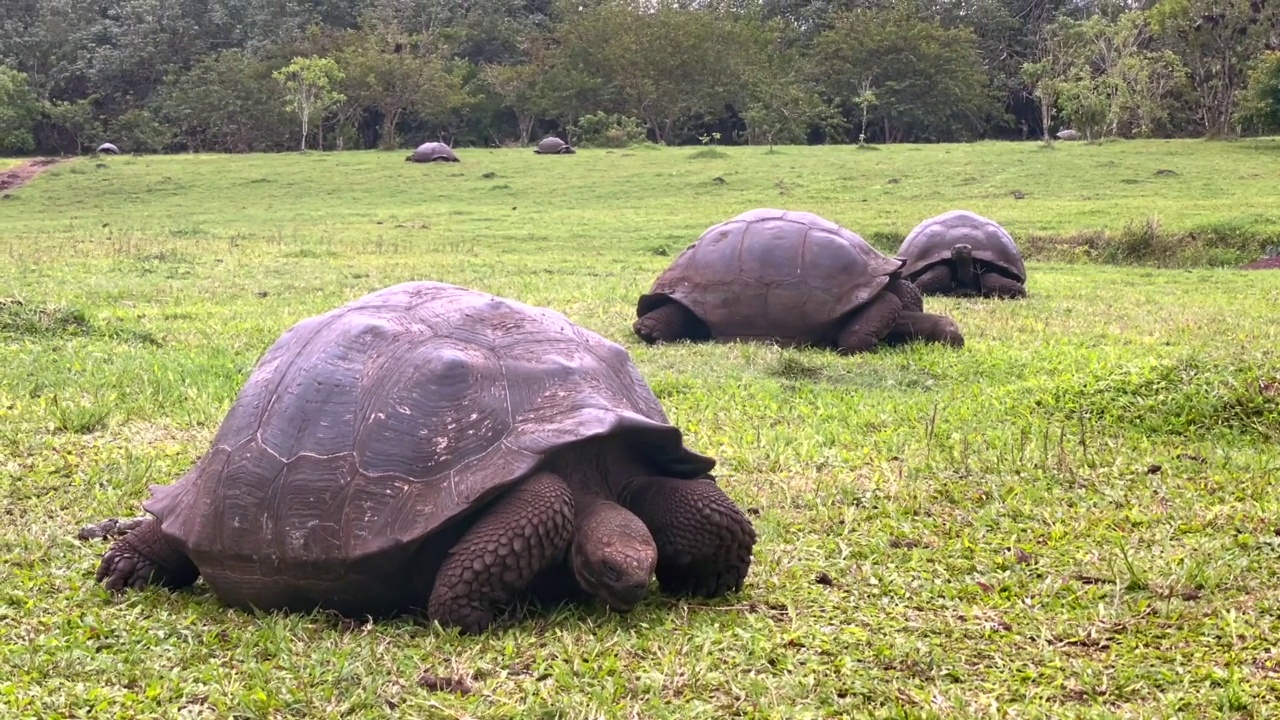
(19, 112)
(138, 131)
(308, 83)
(666, 67)
(1261, 107)
(407, 76)
(928, 79)
(76, 121)
(227, 102)
(1217, 40)
(601, 129)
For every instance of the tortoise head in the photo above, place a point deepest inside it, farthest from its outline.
(613, 555)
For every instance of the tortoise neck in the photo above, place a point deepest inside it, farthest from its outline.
(964, 267)
(597, 470)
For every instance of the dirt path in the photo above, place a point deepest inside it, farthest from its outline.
(19, 175)
(1270, 263)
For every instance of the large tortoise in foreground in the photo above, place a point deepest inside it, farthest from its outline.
(431, 447)
(791, 278)
(432, 152)
(963, 253)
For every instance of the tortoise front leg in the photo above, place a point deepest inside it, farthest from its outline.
(998, 286)
(937, 280)
(910, 295)
(869, 324)
(669, 323)
(926, 327)
(145, 556)
(704, 541)
(524, 532)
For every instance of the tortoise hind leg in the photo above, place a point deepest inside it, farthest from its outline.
(517, 538)
(669, 323)
(869, 324)
(704, 541)
(999, 286)
(145, 556)
(937, 280)
(926, 327)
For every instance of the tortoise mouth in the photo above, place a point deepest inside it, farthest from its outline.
(623, 598)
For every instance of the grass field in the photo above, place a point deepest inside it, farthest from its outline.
(1076, 515)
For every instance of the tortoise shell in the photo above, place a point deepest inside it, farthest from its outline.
(930, 243)
(553, 146)
(368, 428)
(783, 275)
(433, 152)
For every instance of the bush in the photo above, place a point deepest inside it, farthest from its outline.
(601, 129)
(138, 131)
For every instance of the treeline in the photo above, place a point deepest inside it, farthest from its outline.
(269, 75)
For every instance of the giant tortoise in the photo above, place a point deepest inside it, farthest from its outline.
(791, 278)
(963, 253)
(432, 152)
(553, 146)
(431, 447)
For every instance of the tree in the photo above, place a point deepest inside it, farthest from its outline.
(19, 112)
(227, 102)
(1261, 107)
(308, 83)
(1056, 53)
(516, 86)
(75, 120)
(1217, 40)
(664, 65)
(400, 76)
(929, 80)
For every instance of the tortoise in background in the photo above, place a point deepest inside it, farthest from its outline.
(963, 253)
(432, 152)
(788, 277)
(429, 446)
(553, 146)
(107, 148)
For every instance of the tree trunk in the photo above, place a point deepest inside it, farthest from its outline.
(389, 119)
(524, 121)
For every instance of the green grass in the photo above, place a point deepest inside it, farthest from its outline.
(1076, 515)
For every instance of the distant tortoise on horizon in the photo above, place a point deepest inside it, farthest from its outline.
(553, 146)
(962, 253)
(431, 447)
(432, 152)
(791, 278)
(107, 148)
(1068, 135)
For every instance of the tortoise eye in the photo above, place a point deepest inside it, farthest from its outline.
(611, 572)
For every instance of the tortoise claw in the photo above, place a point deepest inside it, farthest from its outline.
(124, 568)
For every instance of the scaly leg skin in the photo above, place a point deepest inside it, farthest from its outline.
(926, 327)
(704, 541)
(937, 280)
(869, 324)
(524, 532)
(999, 286)
(669, 323)
(910, 295)
(145, 557)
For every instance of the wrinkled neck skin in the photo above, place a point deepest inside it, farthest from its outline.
(962, 256)
(613, 555)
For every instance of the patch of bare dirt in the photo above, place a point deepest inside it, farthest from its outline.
(19, 175)
(1267, 263)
